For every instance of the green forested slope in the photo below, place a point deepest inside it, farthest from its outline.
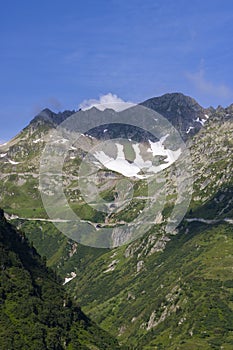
(36, 313)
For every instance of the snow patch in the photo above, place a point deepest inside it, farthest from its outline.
(12, 162)
(158, 149)
(3, 155)
(120, 164)
(68, 279)
(202, 121)
(36, 141)
(133, 169)
(189, 129)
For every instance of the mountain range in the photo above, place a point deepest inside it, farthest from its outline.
(161, 290)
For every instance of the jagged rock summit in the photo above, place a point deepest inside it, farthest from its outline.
(183, 112)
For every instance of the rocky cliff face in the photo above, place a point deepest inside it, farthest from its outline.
(183, 112)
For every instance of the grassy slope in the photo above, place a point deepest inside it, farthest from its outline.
(189, 286)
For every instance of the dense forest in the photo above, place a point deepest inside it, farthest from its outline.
(36, 313)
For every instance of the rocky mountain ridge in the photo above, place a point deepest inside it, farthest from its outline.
(185, 114)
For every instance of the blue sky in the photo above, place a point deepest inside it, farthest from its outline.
(58, 53)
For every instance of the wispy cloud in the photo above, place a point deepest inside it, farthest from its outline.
(207, 87)
(106, 101)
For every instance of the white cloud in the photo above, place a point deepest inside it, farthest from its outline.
(207, 87)
(106, 101)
